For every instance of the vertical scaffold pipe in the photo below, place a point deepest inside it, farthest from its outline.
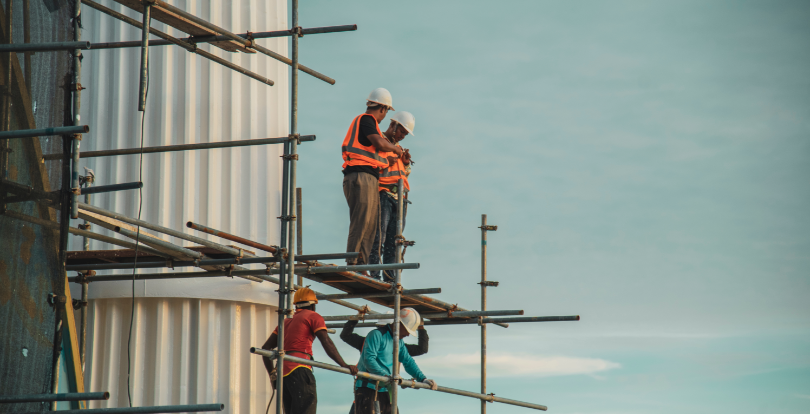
(77, 105)
(395, 326)
(293, 145)
(147, 21)
(483, 308)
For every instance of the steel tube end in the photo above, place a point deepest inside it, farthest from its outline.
(86, 128)
(577, 317)
(189, 224)
(106, 393)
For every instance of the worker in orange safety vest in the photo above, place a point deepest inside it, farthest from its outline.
(402, 124)
(365, 154)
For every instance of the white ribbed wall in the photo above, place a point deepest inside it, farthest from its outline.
(190, 337)
(184, 351)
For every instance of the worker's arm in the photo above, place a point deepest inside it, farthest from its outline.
(370, 350)
(332, 351)
(269, 345)
(422, 347)
(410, 364)
(348, 336)
(382, 144)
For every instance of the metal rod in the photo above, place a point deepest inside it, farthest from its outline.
(158, 242)
(476, 321)
(165, 230)
(194, 408)
(85, 233)
(356, 268)
(83, 315)
(212, 38)
(404, 383)
(427, 315)
(299, 228)
(397, 298)
(41, 132)
(188, 46)
(44, 47)
(87, 197)
(113, 187)
(182, 147)
(483, 308)
(200, 263)
(147, 21)
(378, 295)
(27, 39)
(71, 396)
(77, 105)
(231, 237)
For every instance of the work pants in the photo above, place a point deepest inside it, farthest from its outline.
(385, 241)
(362, 195)
(300, 393)
(364, 401)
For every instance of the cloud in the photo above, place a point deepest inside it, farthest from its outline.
(501, 365)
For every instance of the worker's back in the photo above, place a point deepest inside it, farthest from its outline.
(299, 333)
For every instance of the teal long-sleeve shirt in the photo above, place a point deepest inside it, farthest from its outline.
(378, 358)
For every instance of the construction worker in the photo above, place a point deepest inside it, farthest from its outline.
(300, 394)
(357, 341)
(402, 124)
(378, 358)
(365, 153)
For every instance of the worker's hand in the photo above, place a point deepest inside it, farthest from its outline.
(433, 385)
(352, 369)
(406, 157)
(397, 151)
(273, 379)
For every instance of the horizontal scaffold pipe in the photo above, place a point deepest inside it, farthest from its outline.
(457, 314)
(44, 47)
(112, 187)
(354, 268)
(236, 38)
(378, 294)
(71, 396)
(165, 230)
(181, 147)
(231, 237)
(86, 233)
(194, 408)
(349, 305)
(150, 241)
(28, 191)
(203, 262)
(209, 39)
(42, 132)
(476, 322)
(185, 45)
(403, 383)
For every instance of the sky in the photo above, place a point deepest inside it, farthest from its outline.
(646, 163)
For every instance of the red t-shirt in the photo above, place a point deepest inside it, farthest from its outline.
(299, 332)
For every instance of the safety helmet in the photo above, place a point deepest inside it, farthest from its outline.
(410, 319)
(304, 296)
(382, 97)
(405, 119)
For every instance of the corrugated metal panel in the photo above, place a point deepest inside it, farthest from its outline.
(184, 351)
(190, 100)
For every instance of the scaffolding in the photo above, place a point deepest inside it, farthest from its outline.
(286, 266)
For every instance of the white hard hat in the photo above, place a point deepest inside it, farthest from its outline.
(381, 96)
(405, 119)
(410, 319)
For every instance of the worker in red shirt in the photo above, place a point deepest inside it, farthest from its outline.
(300, 395)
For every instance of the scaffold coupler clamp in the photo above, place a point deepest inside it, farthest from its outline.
(297, 30)
(491, 398)
(230, 271)
(296, 137)
(250, 39)
(480, 321)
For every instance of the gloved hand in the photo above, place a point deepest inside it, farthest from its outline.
(433, 385)
(273, 379)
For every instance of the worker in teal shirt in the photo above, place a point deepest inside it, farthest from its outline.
(378, 358)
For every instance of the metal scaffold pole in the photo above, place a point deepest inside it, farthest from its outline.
(397, 302)
(77, 105)
(484, 228)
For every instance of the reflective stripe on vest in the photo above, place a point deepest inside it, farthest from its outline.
(391, 174)
(355, 153)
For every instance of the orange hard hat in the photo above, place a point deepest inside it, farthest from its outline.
(305, 295)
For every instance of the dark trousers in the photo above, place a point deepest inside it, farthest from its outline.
(385, 239)
(300, 394)
(362, 194)
(364, 401)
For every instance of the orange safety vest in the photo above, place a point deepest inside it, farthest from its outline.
(392, 173)
(355, 153)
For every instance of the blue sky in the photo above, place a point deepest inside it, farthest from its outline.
(646, 163)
